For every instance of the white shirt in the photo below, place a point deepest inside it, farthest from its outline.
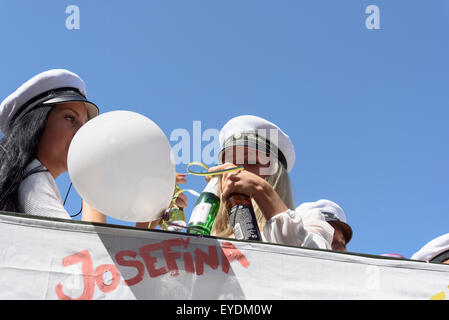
(303, 228)
(39, 194)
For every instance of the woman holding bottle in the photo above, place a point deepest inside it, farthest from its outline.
(267, 155)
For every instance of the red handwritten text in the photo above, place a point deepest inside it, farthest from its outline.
(154, 255)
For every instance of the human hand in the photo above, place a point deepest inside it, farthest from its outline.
(181, 200)
(252, 185)
(241, 181)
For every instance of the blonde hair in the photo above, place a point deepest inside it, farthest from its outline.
(280, 181)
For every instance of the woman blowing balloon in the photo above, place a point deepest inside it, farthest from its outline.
(39, 121)
(267, 156)
(129, 174)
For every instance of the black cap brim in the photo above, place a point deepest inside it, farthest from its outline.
(92, 109)
(347, 230)
(255, 142)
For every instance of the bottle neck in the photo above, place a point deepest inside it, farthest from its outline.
(213, 186)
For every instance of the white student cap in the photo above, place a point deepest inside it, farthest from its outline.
(260, 134)
(332, 212)
(434, 250)
(42, 89)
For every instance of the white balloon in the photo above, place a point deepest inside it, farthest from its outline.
(121, 163)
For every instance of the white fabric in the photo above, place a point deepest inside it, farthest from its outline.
(432, 248)
(325, 206)
(45, 81)
(39, 194)
(47, 259)
(303, 228)
(262, 127)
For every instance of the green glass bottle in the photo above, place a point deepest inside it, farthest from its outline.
(206, 209)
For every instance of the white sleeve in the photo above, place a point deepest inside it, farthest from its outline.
(39, 195)
(305, 228)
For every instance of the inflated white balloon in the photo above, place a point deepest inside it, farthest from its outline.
(121, 163)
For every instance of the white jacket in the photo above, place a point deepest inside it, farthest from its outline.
(302, 228)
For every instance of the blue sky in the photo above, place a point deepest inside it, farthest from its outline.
(367, 110)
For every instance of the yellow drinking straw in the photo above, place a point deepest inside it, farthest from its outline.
(208, 173)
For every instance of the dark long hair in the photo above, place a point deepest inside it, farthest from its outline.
(17, 150)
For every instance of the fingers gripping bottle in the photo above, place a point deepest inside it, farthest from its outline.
(242, 217)
(176, 217)
(206, 209)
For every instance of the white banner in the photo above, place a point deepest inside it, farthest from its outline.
(56, 259)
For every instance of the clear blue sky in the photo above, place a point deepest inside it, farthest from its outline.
(367, 110)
